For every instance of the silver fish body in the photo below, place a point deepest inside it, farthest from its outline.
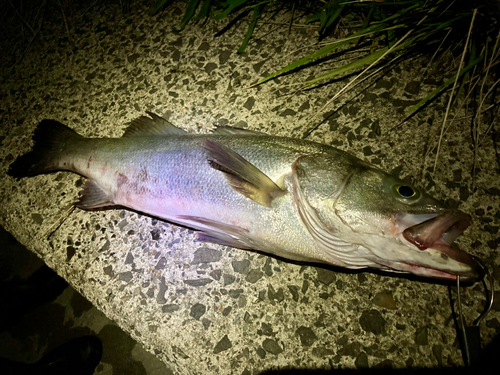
(293, 198)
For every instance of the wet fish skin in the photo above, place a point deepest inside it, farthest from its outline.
(293, 198)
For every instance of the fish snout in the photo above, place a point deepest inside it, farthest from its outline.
(439, 233)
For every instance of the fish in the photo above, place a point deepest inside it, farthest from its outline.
(292, 198)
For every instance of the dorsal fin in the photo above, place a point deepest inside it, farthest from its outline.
(231, 130)
(242, 176)
(154, 125)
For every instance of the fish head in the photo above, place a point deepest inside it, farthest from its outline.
(389, 223)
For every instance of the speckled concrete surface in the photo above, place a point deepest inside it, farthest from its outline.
(203, 308)
(70, 315)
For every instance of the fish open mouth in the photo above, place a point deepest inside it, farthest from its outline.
(438, 233)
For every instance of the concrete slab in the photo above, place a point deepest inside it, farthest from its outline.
(234, 311)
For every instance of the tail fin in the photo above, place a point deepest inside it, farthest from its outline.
(52, 142)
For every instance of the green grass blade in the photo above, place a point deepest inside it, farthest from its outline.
(191, 8)
(441, 88)
(442, 25)
(323, 52)
(368, 17)
(331, 19)
(160, 4)
(347, 68)
(233, 5)
(369, 59)
(398, 14)
(313, 18)
(257, 11)
(309, 58)
(322, 19)
(204, 11)
(391, 37)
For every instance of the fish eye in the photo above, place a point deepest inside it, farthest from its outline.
(406, 191)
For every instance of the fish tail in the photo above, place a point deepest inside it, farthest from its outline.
(52, 141)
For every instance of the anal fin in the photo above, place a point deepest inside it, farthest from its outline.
(92, 197)
(242, 176)
(217, 232)
(221, 240)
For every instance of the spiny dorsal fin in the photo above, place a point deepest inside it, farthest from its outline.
(231, 130)
(242, 176)
(154, 125)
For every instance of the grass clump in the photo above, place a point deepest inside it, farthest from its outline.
(381, 34)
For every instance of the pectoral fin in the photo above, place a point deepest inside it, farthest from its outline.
(242, 176)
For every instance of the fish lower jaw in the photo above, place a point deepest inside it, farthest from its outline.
(438, 274)
(438, 265)
(402, 256)
(446, 262)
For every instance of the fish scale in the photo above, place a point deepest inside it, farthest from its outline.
(293, 198)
